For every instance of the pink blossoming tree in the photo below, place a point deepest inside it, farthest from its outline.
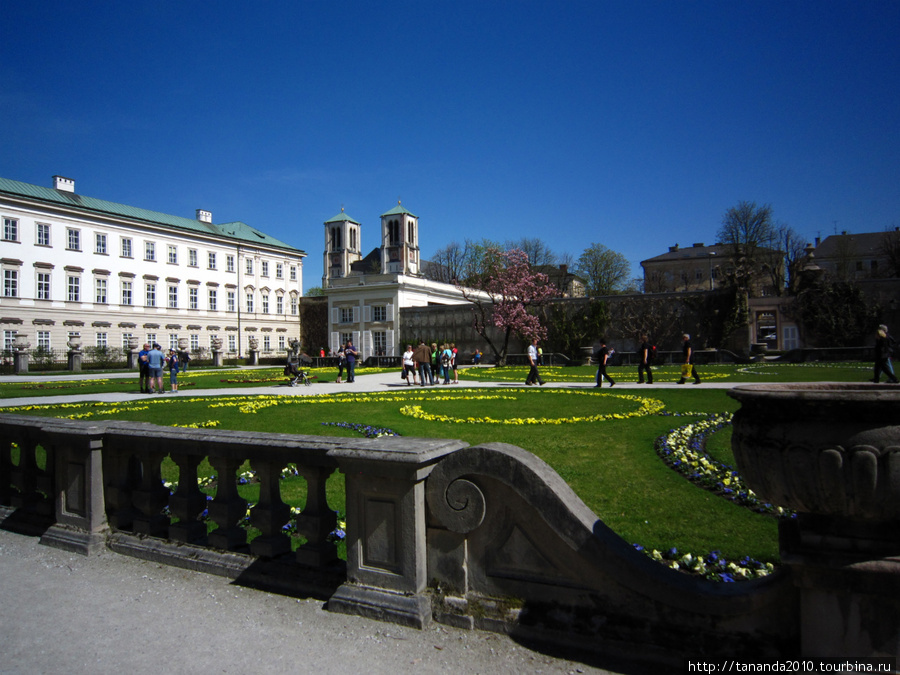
(502, 292)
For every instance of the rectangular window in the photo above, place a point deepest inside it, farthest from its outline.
(43, 234)
(10, 283)
(43, 340)
(193, 295)
(346, 337)
(150, 295)
(250, 303)
(213, 300)
(9, 340)
(100, 287)
(10, 229)
(73, 239)
(211, 258)
(73, 289)
(151, 338)
(195, 342)
(192, 257)
(232, 343)
(173, 341)
(281, 343)
(279, 271)
(379, 313)
(279, 304)
(346, 314)
(249, 265)
(229, 264)
(126, 247)
(265, 268)
(126, 293)
(267, 343)
(294, 305)
(293, 273)
(173, 254)
(265, 304)
(173, 297)
(232, 306)
(102, 340)
(126, 338)
(149, 251)
(212, 338)
(100, 243)
(43, 286)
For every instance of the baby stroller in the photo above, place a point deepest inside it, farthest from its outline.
(297, 375)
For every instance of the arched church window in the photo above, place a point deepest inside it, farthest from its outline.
(335, 238)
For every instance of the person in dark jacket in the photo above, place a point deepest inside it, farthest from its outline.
(884, 347)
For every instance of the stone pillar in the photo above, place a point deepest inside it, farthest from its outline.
(386, 555)
(75, 354)
(831, 452)
(133, 354)
(253, 357)
(21, 354)
(81, 525)
(218, 358)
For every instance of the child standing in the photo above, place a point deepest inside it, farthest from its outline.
(172, 361)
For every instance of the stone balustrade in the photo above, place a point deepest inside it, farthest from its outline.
(486, 537)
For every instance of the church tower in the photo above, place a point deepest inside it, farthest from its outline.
(400, 242)
(341, 247)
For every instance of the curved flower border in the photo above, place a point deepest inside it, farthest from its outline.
(648, 406)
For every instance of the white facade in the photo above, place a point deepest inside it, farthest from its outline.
(75, 266)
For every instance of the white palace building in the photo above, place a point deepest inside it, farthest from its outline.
(79, 267)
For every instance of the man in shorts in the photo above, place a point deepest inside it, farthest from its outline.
(155, 360)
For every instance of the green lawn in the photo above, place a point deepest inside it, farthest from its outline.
(609, 460)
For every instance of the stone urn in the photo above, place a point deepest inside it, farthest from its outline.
(821, 448)
(831, 452)
(21, 342)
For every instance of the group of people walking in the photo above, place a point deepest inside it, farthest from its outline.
(426, 365)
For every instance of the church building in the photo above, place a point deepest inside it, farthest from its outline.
(366, 293)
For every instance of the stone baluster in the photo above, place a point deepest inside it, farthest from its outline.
(151, 496)
(122, 473)
(228, 508)
(188, 502)
(317, 519)
(271, 514)
(6, 467)
(24, 476)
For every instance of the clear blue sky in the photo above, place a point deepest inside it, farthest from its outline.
(632, 124)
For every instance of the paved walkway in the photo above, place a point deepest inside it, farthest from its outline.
(378, 382)
(64, 613)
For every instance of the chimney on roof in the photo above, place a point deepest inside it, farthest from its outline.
(63, 184)
(204, 216)
(674, 248)
(564, 270)
(700, 245)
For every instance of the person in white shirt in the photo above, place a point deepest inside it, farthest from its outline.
(533, 374)
(409, 365)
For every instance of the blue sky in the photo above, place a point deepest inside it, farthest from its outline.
(632, 124)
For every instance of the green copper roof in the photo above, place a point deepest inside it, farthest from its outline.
(397, 211)
(341, 218)
(237, 230)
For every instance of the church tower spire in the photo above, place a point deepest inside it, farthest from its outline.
(400, 242)
(342, 245)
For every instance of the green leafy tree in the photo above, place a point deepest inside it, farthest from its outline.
(604, 271)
